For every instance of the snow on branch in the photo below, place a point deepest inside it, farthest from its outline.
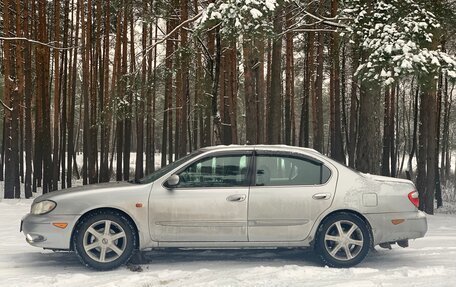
(240, 17)
(398, 38)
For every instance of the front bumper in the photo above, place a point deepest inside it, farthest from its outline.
(39, 230)
(414, 225)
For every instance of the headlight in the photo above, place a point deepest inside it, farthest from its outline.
(43, 207)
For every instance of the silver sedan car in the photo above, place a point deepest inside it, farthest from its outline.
(231, 197)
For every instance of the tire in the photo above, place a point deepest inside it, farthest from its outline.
(102, 250)
(343, 240)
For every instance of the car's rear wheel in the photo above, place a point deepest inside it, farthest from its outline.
(343, 240)
(104, 240)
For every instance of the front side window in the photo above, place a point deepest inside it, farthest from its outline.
(216, 171)
(284, 170)
(164, 170)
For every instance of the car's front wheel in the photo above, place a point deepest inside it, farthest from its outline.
(343, 240)
(104, 240)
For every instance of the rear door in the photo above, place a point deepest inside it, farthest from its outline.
(209, 204)
(289, 192)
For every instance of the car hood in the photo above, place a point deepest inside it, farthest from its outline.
(89, 187)
(386, 178)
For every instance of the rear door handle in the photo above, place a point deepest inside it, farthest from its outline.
(236, 197)
(320, 196)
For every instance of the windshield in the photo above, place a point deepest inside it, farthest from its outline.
(167, 168)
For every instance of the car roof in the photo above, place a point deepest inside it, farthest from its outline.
(259, 147)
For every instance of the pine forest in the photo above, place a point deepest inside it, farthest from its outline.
(128, 86)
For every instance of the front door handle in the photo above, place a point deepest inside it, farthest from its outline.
(236, 197)
(320, 196)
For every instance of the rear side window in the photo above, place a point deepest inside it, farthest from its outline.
(285, 170)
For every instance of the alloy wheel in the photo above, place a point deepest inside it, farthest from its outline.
(104, 241)
(344, 240)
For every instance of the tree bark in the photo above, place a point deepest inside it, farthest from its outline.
(139, 168)
(251, 113)
(426, 151)
(72, 102)
(129, 19)
(56, 158)
(386, 134)
(317, 100)
(42, 71)
(274, 109)
(336, 141)
(367, 152)
(354, 109)
(167, 115)
(28, 106)
(11, 99)
(289, 79)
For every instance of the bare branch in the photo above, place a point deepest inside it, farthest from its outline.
(6, 106)
(172, 32)
(311, 30)
(324, 20)
(49, 45)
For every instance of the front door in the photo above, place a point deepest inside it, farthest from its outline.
(289, 193)
(208, 204)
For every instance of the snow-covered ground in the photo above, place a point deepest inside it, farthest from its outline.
(430, 261)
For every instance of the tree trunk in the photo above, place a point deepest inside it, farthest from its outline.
(445, 159)
(386, 134)
(354, 108)
(426, 148)
(72, 104)
(151, 93)
(367, 152)
(438, 188)
(129, 18)
(117, 86)
(251, 112)
(216, 123)
(260, 90)
(392, 131)
(28, 106)
(184, 67)
(274, 109)
(105, 97)
(317, 100)
(140, 110)
(167, 115)
(42, 71)
(289, 79)
(415, 136)
(308, 90)
(336, 141)
(86, 36)
(11, 100)
(56, 158)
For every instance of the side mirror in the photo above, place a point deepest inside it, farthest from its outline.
(172, 181)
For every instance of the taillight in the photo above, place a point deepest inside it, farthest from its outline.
(414, 198)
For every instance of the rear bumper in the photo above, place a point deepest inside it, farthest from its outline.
(414, 225)
(39, 230)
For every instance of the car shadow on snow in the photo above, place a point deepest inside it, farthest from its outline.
(171, 257)
(264, 257)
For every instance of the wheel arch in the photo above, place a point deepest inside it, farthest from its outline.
(347, 211)
(101, 209)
